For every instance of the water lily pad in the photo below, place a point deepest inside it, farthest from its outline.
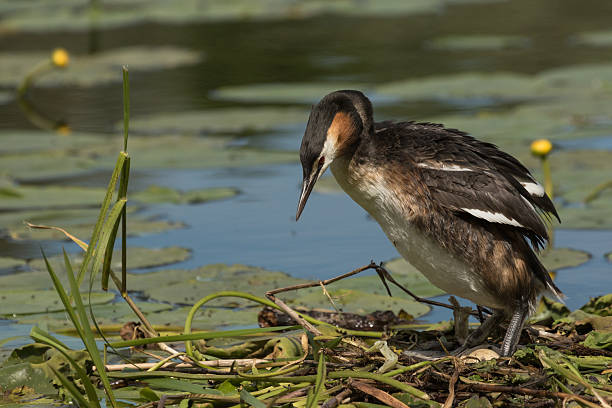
(77, 221)
(157, 194)
(20, 302)
(507, 86)
(135, 227)
(568, 84)
(90, 70)
(188, 286)
(31, 280)
(207, 318)
(578, 78)
(299, 92)
(478, 42)
(137, 258)
(595, 38)
(356, 301)
(557, 258)
(29, 197)
(25, 161)
(109, 313)
(76, 15)
(411, 278)
(197, 152)
(229, 120)
(6, 97)
(577, 172)
(366, 294)
(10, 263)
(20, 141)
(46, 164)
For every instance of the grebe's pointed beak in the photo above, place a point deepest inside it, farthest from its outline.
(307, 186)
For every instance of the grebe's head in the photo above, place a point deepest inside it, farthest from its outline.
(334, 126)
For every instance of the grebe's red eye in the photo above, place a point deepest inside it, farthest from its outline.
(321, 161)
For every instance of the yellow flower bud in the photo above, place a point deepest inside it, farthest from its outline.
(63, 130)
(60, 57)
(541, 147)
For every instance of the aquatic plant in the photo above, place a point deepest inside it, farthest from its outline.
(59, 59)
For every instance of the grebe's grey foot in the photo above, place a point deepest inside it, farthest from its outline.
(513, 333)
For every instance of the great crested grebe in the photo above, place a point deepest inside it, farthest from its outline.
(463, 212)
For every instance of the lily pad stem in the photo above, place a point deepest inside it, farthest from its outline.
(36, 71)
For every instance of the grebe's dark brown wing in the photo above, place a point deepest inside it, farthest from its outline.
(475, 178)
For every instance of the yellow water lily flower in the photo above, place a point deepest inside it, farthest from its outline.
(60, 57)
(63, 130)
(541, 147)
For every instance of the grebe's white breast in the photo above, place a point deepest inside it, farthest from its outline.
(369, 188)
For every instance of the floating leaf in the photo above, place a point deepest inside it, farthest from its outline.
(229, 120)
(208, 318)
(478, 42)
(135, 227)
(28, 197)
(6, 97)
(594, 38)
(357, 301)
(411, 278)
(10, 263)
(99, 68)
(137, 258)
(469, 85)
(188, 286)
(20, 302)
(109, 313)
(21, 141)
(157, 194)
(159, 152)
(557, 258)
(77, 15)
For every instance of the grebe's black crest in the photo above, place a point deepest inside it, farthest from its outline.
(338, 119)
(353, 104)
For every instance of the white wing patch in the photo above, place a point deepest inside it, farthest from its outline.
(443, 167)
(533, 188)
(493, 217)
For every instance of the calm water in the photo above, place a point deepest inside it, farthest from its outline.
(334, 235)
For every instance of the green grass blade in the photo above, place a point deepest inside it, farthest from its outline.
(105, 242)
(251, 399)
(123, 186)
(110, 246)
(110, 190)
(319, 383)
(72, 389)
(88, 335)
(59, 288)
(126, 106)
(41, 336)
(201, 336)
